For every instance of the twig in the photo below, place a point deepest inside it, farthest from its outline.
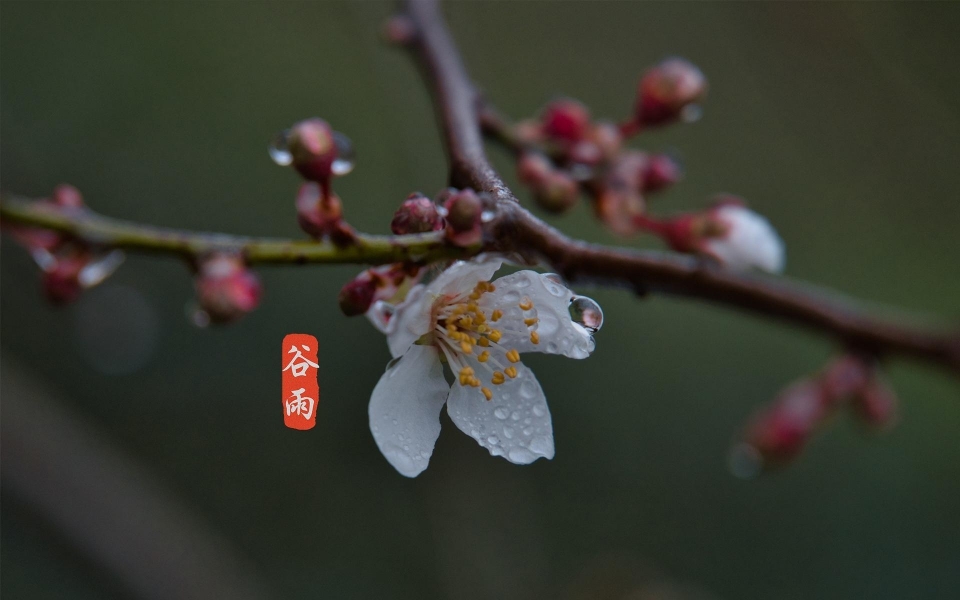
(516, 230)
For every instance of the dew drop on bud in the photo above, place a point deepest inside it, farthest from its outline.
(586, 312)
(745, 461)
(487, 216)
(280, 149)
(346, 158)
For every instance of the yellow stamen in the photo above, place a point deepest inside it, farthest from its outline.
(497, 378)
(451, 329)
(494, 335)
(472, 307)
(466, 346)
(534, 337)
(474, 295)
(484, 356)
(483, 342)
(526, 304)
(496, 315)
(511, 372)
(530, 322)
(459, 309)
(487, 393)
(466, 371)
(474, 382)
(513, 356)
(481, 328)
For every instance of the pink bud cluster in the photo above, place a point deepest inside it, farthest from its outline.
(565, 152)
(68, 266)
(780, 431)
(318, 154)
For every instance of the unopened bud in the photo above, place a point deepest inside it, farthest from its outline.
(780, 431)
(312, 149)
(61, 282)
(417, 214)
(67, 196)
(608, 138)
(464, 218)
(565, 120)
(356, 296)
(321, 216)
(661, 171)
(533, 168)
(669, 91)
(846, 376)
(226, 288)
(877, 404)
(558, 192)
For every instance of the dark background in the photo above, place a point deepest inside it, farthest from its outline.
(841, 122)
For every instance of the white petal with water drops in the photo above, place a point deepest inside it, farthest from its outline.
(405, 409)
(515, 424)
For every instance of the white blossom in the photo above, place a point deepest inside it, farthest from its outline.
(479, 328)
(750, 241)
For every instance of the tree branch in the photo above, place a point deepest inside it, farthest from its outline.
(516, 230)
(95, 229)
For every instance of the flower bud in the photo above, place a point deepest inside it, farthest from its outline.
(565, 120)
(464, 218)
(608, 138)
(67, 196)
(877, 405)
(417, 214)
(661, 171)
(321, 216)
(845, 376)
(669, 91)
(780, 431)
(312, 149)
(61, 281)
(558, 192)
(533, 168)
(356, 296)
(618, 202)
(226, 288)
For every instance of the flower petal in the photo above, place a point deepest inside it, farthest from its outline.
(551, 305)
(514, 424)
(751, 242)
(410, 320)
(462, 276)
(405, 409)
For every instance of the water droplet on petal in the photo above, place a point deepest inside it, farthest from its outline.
(508, 432)
(554, 278)
(501, 413)
(521, 456)
(539, 411)
(586, 312)
(346, 158)
(280, 150)
(493, 440)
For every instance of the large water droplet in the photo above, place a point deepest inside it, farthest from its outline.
(346, 158)
(280, 149)
(585, 311)
(521, 456)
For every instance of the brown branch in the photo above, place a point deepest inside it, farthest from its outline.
(515, 230)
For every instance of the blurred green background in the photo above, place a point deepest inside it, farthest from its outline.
(839, 121)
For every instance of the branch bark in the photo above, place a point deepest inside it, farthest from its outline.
(514, 229)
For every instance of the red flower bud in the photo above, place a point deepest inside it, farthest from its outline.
(877, 404)
(558, 192)
(356, 296)
(669, 91)
(565, 120)
(464, 218)
(61, 282)
(417, 214)
(312, 149)
(661, 171)
(67, 196)
(533, 168)
(322, 216)
(845, 376)
(780, 431)
(608, 138)
(619, 202)
(226, 288)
